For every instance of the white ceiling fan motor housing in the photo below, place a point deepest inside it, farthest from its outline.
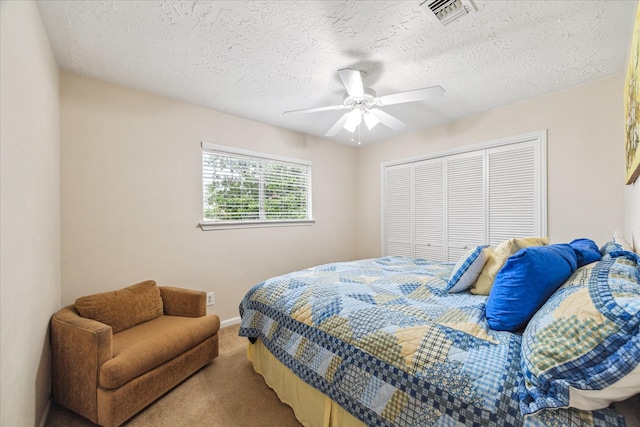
(362, 102)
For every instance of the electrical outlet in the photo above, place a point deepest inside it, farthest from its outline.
(209, 298)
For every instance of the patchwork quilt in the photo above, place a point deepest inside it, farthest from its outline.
(385, 340)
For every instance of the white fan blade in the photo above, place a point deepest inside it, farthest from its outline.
(336, 128)
(352, 81)
(386, 119)
(412, 95)
(315, 110)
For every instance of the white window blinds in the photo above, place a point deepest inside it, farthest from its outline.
(242, 187)
(439, 207)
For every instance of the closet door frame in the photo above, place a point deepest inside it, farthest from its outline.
(537, 139)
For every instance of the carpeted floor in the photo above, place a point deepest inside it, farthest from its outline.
(225, 393)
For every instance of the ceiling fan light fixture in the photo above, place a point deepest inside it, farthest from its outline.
(370, 120)
(353, 120)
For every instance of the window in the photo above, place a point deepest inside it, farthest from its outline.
(248, 189)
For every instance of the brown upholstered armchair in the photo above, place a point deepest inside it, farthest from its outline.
(114, 353)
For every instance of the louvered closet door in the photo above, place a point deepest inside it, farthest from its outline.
(398, 213)
(466, 210)
(439, 207)
(429, 210)
(514, 194)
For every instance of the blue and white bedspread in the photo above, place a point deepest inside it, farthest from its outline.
(383, 339)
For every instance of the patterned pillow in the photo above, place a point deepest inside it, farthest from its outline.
(582, 348)
(468, 268)
(498, 259)
(610, 246)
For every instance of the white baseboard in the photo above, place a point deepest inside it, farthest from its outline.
(230, 322)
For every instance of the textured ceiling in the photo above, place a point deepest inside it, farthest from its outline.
(257, 59)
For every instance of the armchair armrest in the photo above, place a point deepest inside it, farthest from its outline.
(79, 346)
(183, 302)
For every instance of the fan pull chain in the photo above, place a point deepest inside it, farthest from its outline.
(359, 134)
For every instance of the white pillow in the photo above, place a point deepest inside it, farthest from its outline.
(618, 237)
(468, 268)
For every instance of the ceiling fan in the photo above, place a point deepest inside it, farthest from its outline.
(364, 105)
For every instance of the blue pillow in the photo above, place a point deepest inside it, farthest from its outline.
(468, 268)
(586, 250)
(525, 282)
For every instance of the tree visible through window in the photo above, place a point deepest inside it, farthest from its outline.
(240, 187)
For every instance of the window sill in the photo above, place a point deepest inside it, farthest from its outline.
(226, 225)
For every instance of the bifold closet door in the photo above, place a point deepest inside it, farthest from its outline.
(515, 201)
(438, 208)
(466, 207)
(429, 210)
(398, 211)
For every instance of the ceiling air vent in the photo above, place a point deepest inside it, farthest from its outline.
(448, 11)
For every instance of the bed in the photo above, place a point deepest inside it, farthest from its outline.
(382, 342)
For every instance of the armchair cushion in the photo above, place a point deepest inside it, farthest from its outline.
(123, 308)
(140, 349)
(183, 302)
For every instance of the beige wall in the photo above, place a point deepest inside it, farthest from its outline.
(586, 197)
(132, 197)
(30, 286)
(131, 173)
